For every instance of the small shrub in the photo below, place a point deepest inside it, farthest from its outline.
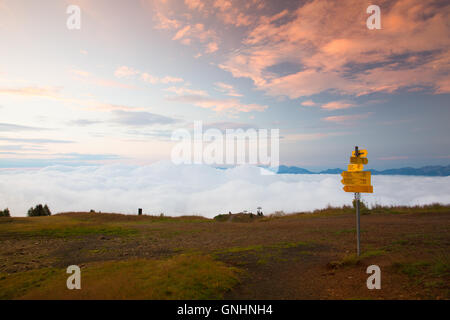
(39, 211)
(279, 213)
(363, 209)
(5, 213)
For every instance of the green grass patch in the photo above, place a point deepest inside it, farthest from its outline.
(77, 231)
(169, 234)
(80, 224)
(286, 245)
(82, 231)
(438, 267)
(17, 284)
(353, 259)
(256, 248)
(441, 267)
(180, 277)
(435, 207)
(402, 242)
(411, 269)
(61, 227)
(242, 249)
(377, 209)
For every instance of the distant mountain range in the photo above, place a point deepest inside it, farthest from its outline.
(431, 171)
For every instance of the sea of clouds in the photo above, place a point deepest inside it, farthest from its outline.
(198, 189)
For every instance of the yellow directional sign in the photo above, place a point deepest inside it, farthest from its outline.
(355, 167)
(356, 175)
(366, 189)
(362, 153)
(358, 160)
(359, 182)
(356, 178)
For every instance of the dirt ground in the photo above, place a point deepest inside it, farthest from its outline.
(309, 256)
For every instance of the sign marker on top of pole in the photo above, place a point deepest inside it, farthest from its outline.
(356, 180)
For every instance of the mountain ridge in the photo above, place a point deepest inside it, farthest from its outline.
(429, 171)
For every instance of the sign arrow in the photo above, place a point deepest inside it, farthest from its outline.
(365, 189)
(362, 153)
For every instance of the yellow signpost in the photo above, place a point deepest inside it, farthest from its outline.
(358, 189)
(358, 160)
(355, 167)
(356, 175)
(357, 181)
(359, 178)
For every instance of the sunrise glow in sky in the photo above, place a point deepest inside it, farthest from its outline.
(115, 90)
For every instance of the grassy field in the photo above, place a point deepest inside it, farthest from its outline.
(296, 256)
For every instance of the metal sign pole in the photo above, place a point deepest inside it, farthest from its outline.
(356, 180)
(357, 197)
(358, 248)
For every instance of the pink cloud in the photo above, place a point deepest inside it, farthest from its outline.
(42, 92)
(308, 103)
(331, 49)
(212, 47)
(336, 105)
(231, 105)
(95, 105)
(163, 22)
(80, 73)
(337, 54)
(333, 105)
(110, 83)
(347, 118)
(194, 4)
(186, 91)
(188, 22)
(88, 77)
(168, 79)
(181, 33)
(55, 94)
(154, 80)
(149, 78)
(230, 12)
(125, 72)
(228, 89)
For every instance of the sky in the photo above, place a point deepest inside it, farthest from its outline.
(114, 91)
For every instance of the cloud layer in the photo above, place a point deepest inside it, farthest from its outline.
(179, 190)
